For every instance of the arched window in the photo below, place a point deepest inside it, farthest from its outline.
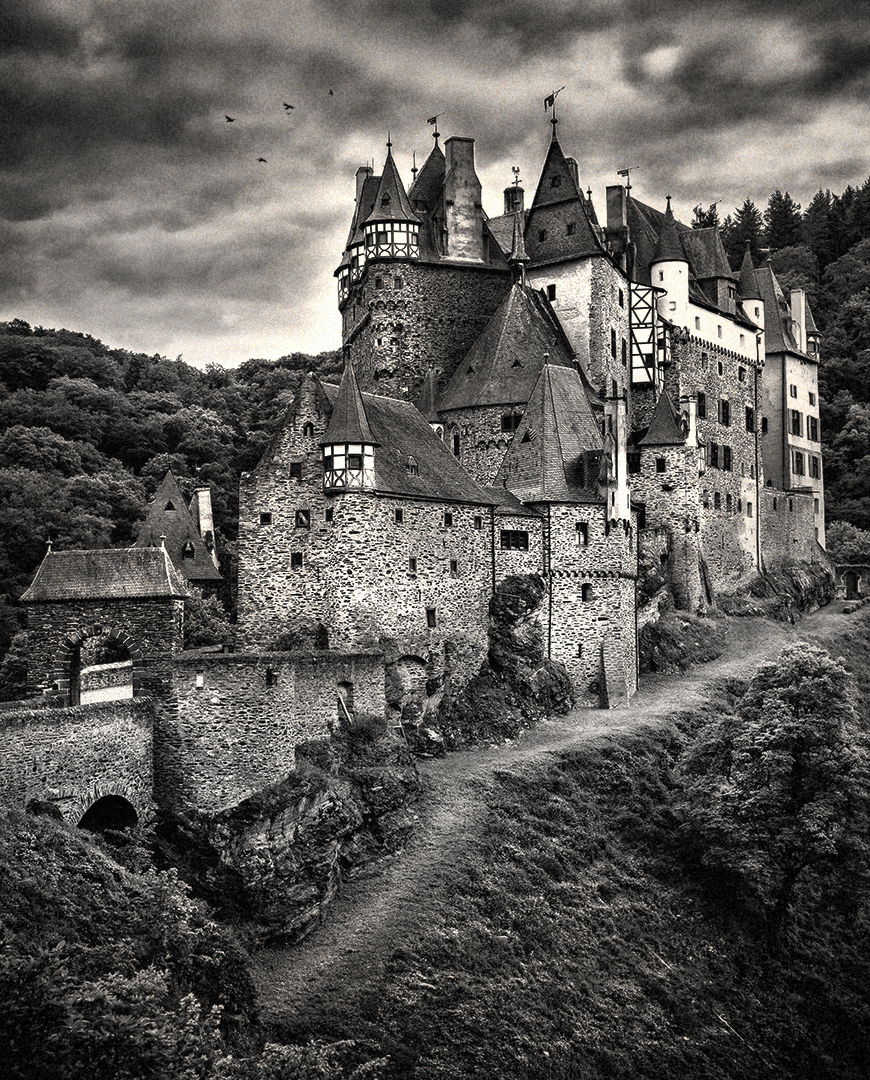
(586, 591)
(308, 429)
(457, 442)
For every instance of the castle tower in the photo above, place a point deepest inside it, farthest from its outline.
(669, 270)
(348, 443)
(390, 230)
(749, 292)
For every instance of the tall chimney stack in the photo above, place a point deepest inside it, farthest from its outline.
(463, 209)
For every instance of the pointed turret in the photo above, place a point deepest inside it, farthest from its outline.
(391, 228)
(426, 189)
(170, 518)
(391, 201)
(559, 224)
(669, 270)
(664, 428)
(348, 442)
(747, 285)
(668, 248)
(518, 258)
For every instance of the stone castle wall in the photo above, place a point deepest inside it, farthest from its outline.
(241, 716)
(482, 443)
(422, 315)
(788, 532)
(74, 756)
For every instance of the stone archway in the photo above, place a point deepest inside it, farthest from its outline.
(67, 667)
(851, 581)
(109, 812)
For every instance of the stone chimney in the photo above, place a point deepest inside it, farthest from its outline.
(514, 199)
(362, 174)
(616, 231)
(797, 301)
(463, 210)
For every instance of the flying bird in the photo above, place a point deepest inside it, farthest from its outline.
(286, 106)
(331, 94)
(263, 160)
(229, 119)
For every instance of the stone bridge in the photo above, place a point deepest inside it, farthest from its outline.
(93, 762)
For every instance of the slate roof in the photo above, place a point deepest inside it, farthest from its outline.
(398, 206)
(402, 435)
(553, 208)
(348, 422)
(502, 229)
(106, 574)
(747, 285)
(518, 247)
(503, 365)
(555, 165)
(555, 453)
(664, 428)
(705, 253)
(169, 515)
(668, 247)
(811, 327)
(778, 333)
(429, 182)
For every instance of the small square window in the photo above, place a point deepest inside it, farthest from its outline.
(586, 592)
(764, 425)
(741, 373)
(379, 282)
(355, 461)
(697, 322)
(583, 533)
(749, 509)
(265, 517)
(551, 292)
(661, 464)
(478, 522)
(200, 680)
(454, 567)
(542, 235)
(328, 515)
(295, 470)
(399, 515)
(718, 330)
(398, 282)
(431, 620)
(303, 519)
(295, 560)
(555, 181)
(448, 519)
(571, 228)
(812, 398)
(412, 565)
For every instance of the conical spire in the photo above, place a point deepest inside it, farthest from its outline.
(557, 183)
(518, 256)
(664, 427)
(669, 248)
(348, 423)
(391, 201)
(747, 287)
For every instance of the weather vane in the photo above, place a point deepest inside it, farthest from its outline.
(550, 103)
(515, 169)
(626, 172)
(433, 120)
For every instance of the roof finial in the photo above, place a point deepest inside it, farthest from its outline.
(163, 541)
(49, 545)
(433, 120)
(515, 169)
(414, 169)
(668, 201)
(389, 140)
(550, 103)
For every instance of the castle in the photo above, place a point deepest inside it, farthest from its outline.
(535, 393)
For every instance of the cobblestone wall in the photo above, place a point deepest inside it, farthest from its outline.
(405, 316)
(482, 443)
(76, 755)
(241, 715)
(788, 528)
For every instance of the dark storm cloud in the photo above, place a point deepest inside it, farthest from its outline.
(120, 178)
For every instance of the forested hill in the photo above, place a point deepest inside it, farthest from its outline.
(87, 432)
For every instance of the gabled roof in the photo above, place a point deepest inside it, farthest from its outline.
(168, 516)
(778, 332)
(554, 455)
(348, 423)
(705, 253)
(664, 428)
(404, 439)
(106, 574)
(429, 182)
(668, 247)
(558, 204)
(811, 327)
(391, 202)
(556, 168)
(747, 286)
(503, 365)
(502, 229)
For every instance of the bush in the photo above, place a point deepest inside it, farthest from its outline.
(676, 642)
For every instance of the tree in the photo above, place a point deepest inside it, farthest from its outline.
(816, 227)
(797, 268)
(775, 797)
(847, 469)
(205, 622)
(782, 221)
(705, 219)
(848, 544)
(746, 225)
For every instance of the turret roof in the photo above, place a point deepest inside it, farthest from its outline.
(747, 286)
(555, 453)
(391, 202)
(106, 574)
(558, 204)
(518, 247)
(668, 248)
(705, 252)
(664, 428)
(348, 423)
(169, 516)
(556, 168)
(779, 334)
(503, 365)
(429, 181)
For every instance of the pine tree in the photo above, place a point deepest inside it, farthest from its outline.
(782, 221)
(747, 225)
(705, 219)
(816, 227)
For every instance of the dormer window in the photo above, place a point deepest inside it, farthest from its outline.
(412, 466)
(349, 465)
(571, 228)
(385, 199)
(555, 181)
(187, 551)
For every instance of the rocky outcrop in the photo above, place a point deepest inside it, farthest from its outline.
(277, 859)
(785, 592)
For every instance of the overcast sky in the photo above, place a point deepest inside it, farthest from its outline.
(131, 210)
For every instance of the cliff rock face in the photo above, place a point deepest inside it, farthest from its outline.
(278, 858)
(785, 592)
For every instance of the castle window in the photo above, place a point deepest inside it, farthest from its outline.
(514, 540)
(551, 292)
(199, 681)
(719, 330)
(705, 499)
(624, 353)
(431, 619)
(555, 181)
(758, 313)
(328, 515)
(748, 509)
(412, 467)
(726, 458)
(583, 533)
(775, 503)
(385, 199)
(295, 470)
(398, 282)
(792, 390)
(303, 519)
(621, 297)
(742, 376)
(295, 560)
(457, 443)
(613, 343)
(354, 461)
(661, 464)
(739, 505)
(542, 235)
(797, 427)
(750, 419)
(511, 421)
(812, 398)
(702, 404)
(308, 429)
(764, 425)
(586, 592)
(720, 368)
(741, 371)
(478, 522)
(571, 228)
(661, 275)
(187, 552)
(454, 567)
(798, 463)
(399, 515)
(813, 428)
(412, 565)
(704, 359)
(634, 462)
(717, 500)
(579, 651)
(271, 677)
(729, 502)
(697, 322)
(714, 455)
(379, 282)
(815, 506)
(265, 517)
(815, 471)
(448, 519)
(725, 412)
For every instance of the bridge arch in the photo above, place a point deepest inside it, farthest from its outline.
(67, 668)
(109, 812)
